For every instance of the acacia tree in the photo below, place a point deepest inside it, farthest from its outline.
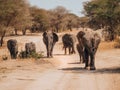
(58, 17)
(12, 14)
(72, 21)
(104, 13)
(40, 19)
(23, 19)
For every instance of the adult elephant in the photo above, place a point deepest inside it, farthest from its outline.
(13, 48)
(69, 42)
(90, 41)
(49, 39)
(30, 48)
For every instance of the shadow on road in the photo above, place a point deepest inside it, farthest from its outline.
(59, 54)
(75, 63)
(98, 71)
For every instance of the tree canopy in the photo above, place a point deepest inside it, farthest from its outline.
(103, 13)
(14, 14)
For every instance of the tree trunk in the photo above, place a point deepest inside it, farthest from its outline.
(111, 33)
(16, 31)
(2, 37)
(24, 31)
(70, 29)
(112, 36)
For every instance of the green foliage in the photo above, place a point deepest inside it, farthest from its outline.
(34, 55)
(58, 19)
(103, 13)
(40, 18)
(13, 14)
(22, 54)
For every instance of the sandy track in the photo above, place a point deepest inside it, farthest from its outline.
(63, 72)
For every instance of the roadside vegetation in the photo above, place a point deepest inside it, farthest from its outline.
(20, 16)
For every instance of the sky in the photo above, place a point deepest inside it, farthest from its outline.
(74, 6)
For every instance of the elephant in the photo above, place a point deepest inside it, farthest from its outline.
(90, 41)
(30, 48)
(69, 42)
(49, 39)
(13, 48)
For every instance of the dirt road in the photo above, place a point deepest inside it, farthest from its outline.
(63, 72)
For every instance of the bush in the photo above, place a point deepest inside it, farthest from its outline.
(117, 44)
(34, 55)
(22, 55)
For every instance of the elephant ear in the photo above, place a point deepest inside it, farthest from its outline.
(80, 34)
(45, 37)
(55, 37)
(44, 34)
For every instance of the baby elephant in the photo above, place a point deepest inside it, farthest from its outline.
(69, 42)
(13, 48)
(30, 48)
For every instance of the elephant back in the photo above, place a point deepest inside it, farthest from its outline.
(51, 36)
(30, 47)
(12, 44)
(13, 48)
(68, 40)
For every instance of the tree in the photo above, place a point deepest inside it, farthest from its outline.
(103, 13)
(72, 21)
(13, 13)
(83, 21)
(40, 19)
(57, 17)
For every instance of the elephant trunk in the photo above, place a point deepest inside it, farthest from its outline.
(50, 45)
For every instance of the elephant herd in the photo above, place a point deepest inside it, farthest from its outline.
(88, 42)
(12, 46)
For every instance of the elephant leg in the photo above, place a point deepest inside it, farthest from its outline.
(11, 54)
(70, 50)
(86, 58)
(12, 57)
(26, 54)
(47, 52)
(92, 62)
(73, 49)
(83, 57)
(80, 57)
(51, 52)
(15, 54)
(65, 50)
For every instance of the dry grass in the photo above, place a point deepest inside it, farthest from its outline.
(106, 46)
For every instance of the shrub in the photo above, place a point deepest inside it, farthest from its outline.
(34, 55)
(22, 54)
(37, 55)
(117, 44)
